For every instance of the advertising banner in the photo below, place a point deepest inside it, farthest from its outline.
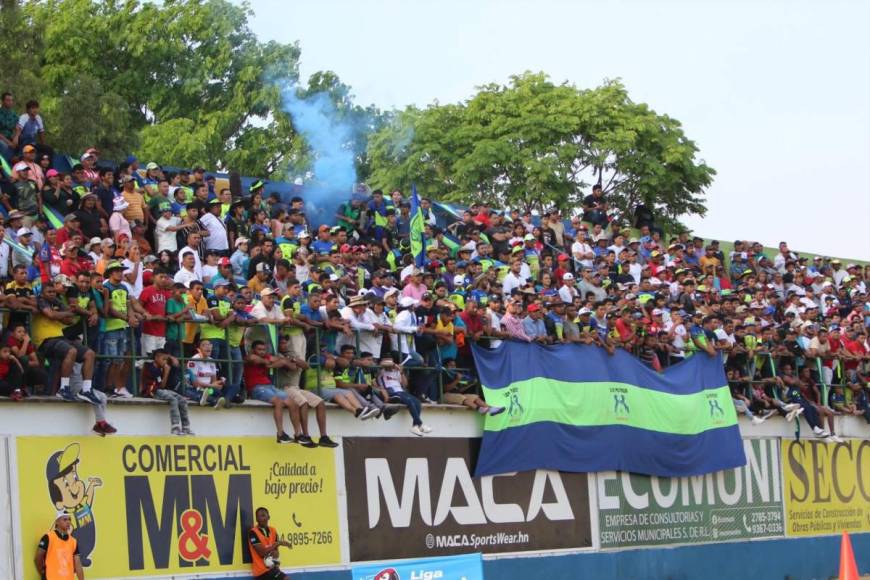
(467, 567)
(827, 487)
(160, 505)
(416, 497)
(736, 504)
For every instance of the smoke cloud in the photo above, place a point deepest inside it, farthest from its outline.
(330, 139)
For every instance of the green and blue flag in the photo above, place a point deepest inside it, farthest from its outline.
(575, 408)
(418, 242)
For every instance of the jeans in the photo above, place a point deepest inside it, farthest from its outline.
(177, 406)
(6, 151)
(234, 384)
(415, 407)
(219, 351)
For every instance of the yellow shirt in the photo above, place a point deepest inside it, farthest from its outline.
(199, 307)
(136, 211)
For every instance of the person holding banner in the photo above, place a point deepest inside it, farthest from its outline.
(57, 556)
(263, 543)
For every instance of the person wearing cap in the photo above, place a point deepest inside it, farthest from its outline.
(217, 238)
(119, 315)
(136, 208)
(568, 292)
(57, 554)
(27, 199)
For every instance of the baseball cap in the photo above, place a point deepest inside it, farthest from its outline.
(224, 282)
(114, 266)
(29, 149)
(23, 232)
(21, 166)
(563, 257)
(529, 238)
(458, 280)
(266, 291)
(152, 165)
(224, 261)
(568, 276)
(583, 311)
(533, 308)
(95, 240)
(263, 267)
(241, 240)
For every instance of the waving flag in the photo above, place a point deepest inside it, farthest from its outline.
(53, 216)
(417, 225)
(575, 408)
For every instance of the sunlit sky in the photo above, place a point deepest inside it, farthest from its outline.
(776, 94)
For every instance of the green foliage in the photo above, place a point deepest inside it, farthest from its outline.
(533, 144)
(176, 81)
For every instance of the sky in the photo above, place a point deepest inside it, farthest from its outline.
(776, 94)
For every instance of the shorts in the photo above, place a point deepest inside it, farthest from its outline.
(56, 348)
(266, 393)
(150, 343)
(329, 393)
(115, 343)
(302, 397)
(457, 398)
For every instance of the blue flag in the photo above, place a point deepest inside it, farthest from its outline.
(418, 242)
(575, 408)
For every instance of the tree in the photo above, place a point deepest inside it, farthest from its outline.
(180, 82)
(533, 144)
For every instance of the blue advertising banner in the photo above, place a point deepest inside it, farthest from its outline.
(465, 567)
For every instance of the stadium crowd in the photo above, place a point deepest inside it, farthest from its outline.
(224, 297)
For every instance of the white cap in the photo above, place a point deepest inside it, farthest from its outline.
(657, 312)
(23, 232)
(95, 240)
(390, 292)
(469, 247)
(21, 166)
(119, 204)
(584, 310)
(568, 276)
(267, 291)
(241, 240)
(458, 280)
(407, 302)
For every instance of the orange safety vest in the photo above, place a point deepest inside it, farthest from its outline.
(60, 557)
(258, 566)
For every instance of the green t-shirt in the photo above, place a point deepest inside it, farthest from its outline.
(118, 296)
(212, 331)
(287, 303)
(173, 329)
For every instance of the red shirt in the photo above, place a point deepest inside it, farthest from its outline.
(256, 375)
(71, 268)
(154, 301)
(835, 346)
(854, 347)
(12, 341)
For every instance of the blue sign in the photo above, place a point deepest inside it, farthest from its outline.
(466, 567)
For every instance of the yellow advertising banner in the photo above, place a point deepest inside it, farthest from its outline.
(171, 505)
(827, 487)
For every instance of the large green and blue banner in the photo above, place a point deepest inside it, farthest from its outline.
(575, 408)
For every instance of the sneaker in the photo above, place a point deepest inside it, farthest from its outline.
(425, 428)
(834, 438)
(122, 393)
(792, 406)
(88, 397)
(176, 430)
(756, 420)
(357, 413)
(305, 441)
(426, 399)
(792, 415)
(221, 403)
(108, 429)
(327, 442)
(493, 411)
(416, 430)
(98, 429)
(284, 438)
(16, 395)
(820, 433)
(185, 430)
(389, 412)
(368, 412)
(203, 397)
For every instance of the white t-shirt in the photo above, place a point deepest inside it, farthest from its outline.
(135, 289)
(260, 313)
(512, 281)
(217, 232)
(202, 372)
(197, 263)
(208, 272)
(567, 294)
(185, 277)
(582, 249)
(392, 380)
(495, 324)
(166, 240)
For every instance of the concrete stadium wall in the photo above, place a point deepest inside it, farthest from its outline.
(813, 557)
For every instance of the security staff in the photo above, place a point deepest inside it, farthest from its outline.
(263, 542)
(57, 556)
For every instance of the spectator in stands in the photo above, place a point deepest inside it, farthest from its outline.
(30, 129)
(8, 122)
(160, 378)
(257, 366)
(394, 383)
